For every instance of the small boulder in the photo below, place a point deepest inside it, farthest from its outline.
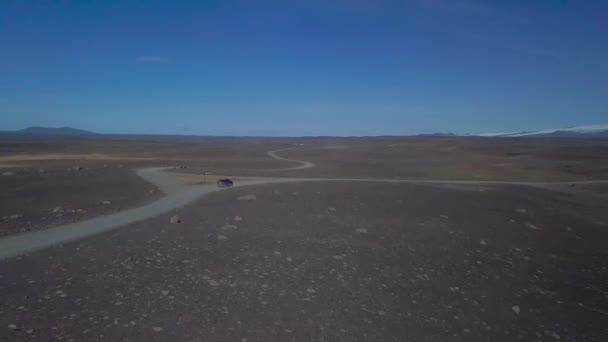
(250, 197)
(229, 227)
(106, 202)
(175, 219)
(532, 226)
(516, 309)
(361, 230)
(58, 210)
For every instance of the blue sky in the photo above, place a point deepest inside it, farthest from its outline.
(331, 67)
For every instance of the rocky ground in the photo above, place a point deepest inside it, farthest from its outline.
(418, 157)
(455, 158)
(49, 194)
(327, 261)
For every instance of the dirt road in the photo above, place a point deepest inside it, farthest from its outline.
(303, 164)
(181, 190)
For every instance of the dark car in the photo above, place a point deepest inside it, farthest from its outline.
(224, 183)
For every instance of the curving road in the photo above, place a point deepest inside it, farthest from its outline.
(179, 193)
(303, 164)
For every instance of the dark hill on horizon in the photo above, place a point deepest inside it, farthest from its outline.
(63, 131)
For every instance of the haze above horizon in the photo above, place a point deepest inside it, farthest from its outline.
(303, 68)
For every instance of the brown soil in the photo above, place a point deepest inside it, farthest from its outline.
(336, 261)
(30, 195)
(332, 261)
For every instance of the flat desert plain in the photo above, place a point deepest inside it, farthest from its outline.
(320, 239)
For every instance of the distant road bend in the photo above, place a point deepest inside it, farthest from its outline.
(179, 193)
(303, 164)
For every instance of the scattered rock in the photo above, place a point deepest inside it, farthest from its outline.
(311, 290)
(483, 242)
(175, 219)
(338, 257)
(250, 197)
(423, 276)
(361, 230)
(78, 168)
(521, 211)
(157, 329)
(238, 218)
(12, 326)
(164, 292)
(58, 210)
(81, 211)
(533, 227)
(229, 228)
(221, 237)
(213, 282)
(12, 217)
(8, 173)
(106, 202)
(516, 309)
(276, 253)
(331, 210)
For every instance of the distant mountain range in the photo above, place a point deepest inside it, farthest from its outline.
(62, 131)
(42, 133)
(596, 131)
(47, 133)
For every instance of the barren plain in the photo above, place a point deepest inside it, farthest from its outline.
(321, 239)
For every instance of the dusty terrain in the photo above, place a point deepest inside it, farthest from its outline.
(321, 260)
(35, 198)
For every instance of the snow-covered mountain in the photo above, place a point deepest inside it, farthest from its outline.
(595, 131)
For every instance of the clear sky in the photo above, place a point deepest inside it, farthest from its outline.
(326, 67)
